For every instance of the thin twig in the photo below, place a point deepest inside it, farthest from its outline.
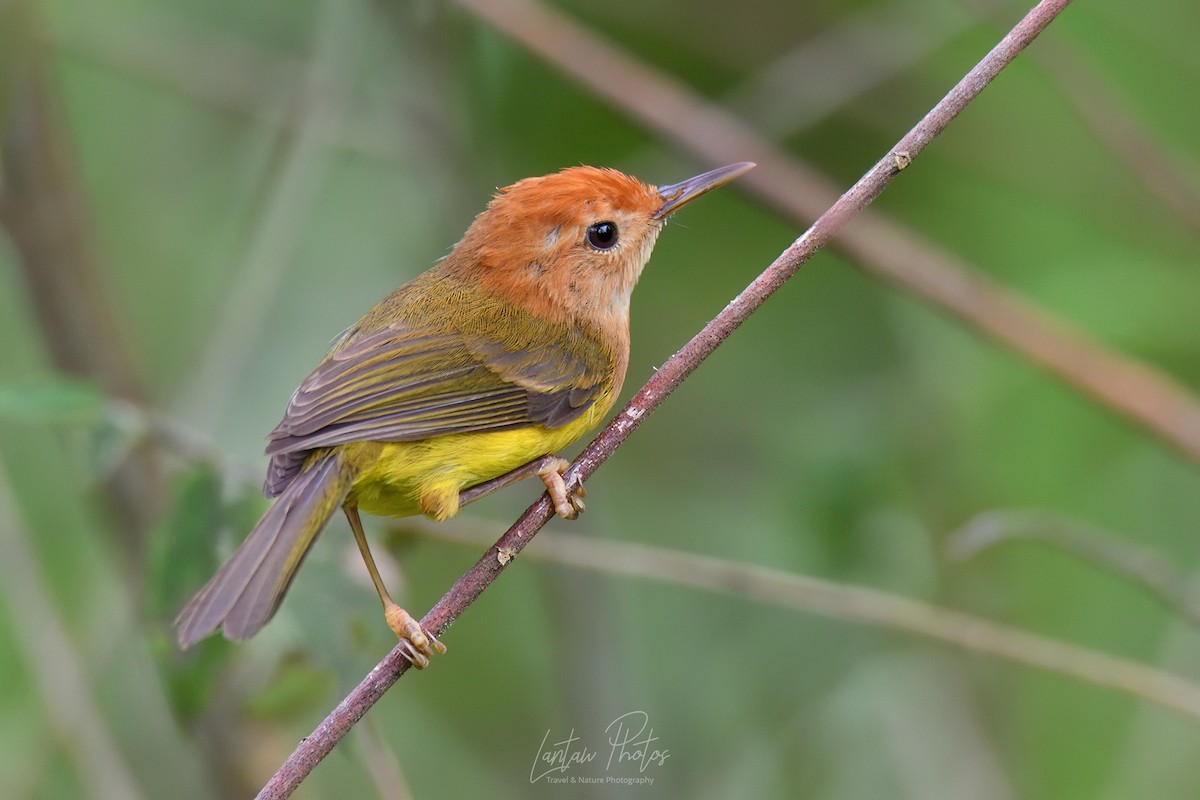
(1134, 562)
(877, 245)
(322, 740)
(1166, 173)
(841, 601)
(857, 54)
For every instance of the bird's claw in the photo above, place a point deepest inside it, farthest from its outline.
(568, 502)
(417, 644)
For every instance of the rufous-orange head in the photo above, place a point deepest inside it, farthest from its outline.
(571, 245)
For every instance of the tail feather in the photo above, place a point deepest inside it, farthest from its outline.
(244, 594)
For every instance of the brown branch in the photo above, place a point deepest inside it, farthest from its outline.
(855, 603)
(322, 740)
(854, 55)
(880, 247)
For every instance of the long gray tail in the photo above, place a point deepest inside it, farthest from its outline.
(248, 588)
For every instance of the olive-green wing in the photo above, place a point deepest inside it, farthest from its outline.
(397, 386)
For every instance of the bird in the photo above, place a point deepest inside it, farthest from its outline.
(462, 381)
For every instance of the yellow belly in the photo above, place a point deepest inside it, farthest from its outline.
(399, 479)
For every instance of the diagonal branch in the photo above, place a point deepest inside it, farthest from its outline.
(854, 603)
(323, 739)
(879, 246)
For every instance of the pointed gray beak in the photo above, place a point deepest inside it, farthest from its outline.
(679, 194)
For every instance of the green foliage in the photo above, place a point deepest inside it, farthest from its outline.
(52, 401)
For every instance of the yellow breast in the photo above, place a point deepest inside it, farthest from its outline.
(399, 479)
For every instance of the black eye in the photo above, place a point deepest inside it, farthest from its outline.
(602, 235)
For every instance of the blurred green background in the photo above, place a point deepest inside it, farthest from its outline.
(225, 186)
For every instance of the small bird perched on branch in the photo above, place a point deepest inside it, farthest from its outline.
(462, 381)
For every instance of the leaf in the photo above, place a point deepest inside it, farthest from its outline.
(184, 554)
(183, 551)
(53, 400)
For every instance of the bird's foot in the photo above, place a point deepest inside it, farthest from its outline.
(418, 645)
(568, 502)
